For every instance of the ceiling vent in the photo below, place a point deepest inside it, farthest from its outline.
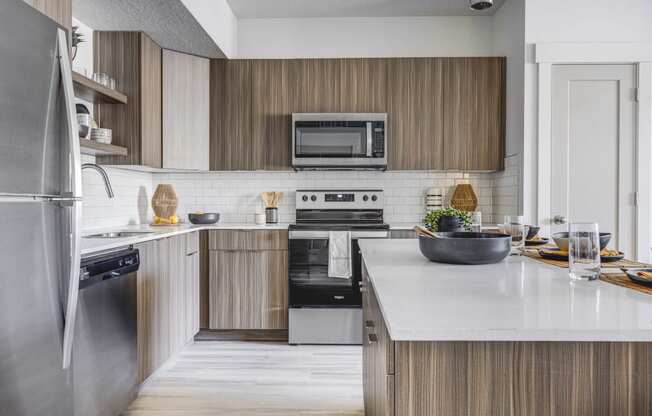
(480, 4)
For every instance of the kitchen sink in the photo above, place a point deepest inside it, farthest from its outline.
(119, 234)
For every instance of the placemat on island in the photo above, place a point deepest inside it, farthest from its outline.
(621, 279)
(564, 263)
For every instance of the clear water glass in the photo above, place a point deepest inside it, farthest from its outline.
(476, 221)
(515, 226)
(584, 251)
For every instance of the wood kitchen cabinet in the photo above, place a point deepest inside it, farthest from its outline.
(185, 111)
(415, 114)
(133, 59)
(363, 85)
(248, 279)
(58, 10)
(168, 299)
(474, 113)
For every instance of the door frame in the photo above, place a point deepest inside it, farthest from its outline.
(639, 54)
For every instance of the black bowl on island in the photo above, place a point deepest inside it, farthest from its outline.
(465, 247)
(205, 218)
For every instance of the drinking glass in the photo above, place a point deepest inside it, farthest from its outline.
(476, 221)
(584, 251)
(515, 226)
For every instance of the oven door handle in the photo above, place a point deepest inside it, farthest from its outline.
(323, 234)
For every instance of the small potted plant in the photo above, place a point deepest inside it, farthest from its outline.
(77, 38)
(448, 219)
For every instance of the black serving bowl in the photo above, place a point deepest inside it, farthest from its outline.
(206, 218)
(465, 247)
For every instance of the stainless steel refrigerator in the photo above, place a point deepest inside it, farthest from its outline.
(40, 214)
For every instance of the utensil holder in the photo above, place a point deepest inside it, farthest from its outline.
(271, 215)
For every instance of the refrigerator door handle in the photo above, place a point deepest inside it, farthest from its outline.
(75, 193)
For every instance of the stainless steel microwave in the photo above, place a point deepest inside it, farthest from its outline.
(339, 141)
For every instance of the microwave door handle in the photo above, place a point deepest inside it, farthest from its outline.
(369, 141)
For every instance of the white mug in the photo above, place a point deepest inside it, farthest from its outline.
(260, 218)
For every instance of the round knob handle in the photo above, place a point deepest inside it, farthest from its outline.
(313, 198)
(304, 198)
(365, 198)
(559, 219)
(374, 198)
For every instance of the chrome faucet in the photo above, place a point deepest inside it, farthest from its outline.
(103, 174)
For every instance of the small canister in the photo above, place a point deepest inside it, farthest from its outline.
(271, 215)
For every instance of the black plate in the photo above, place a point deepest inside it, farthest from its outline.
(631, 273)
(552, 256)
(534, 243)
(612, 259)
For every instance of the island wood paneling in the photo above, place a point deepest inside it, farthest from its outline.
(185, 111)
(58, 10)
(415, 114)
(271, 114)
(474, 114)
(134, 61)
(523, 378)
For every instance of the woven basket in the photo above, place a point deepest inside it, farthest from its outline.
(464, 198)
(164, 201)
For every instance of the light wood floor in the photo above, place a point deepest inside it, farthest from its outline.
(255, 378)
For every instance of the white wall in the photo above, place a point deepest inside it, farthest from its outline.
(218, 20)
(365, 37)
(571, 21)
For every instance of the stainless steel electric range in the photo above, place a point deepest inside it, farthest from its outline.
(326, 309)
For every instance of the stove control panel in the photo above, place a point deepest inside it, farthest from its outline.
(340, 199)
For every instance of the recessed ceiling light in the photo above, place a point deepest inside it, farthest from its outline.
(480, 4)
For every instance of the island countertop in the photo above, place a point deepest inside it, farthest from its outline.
(519, 299)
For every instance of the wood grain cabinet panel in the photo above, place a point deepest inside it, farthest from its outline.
(231, 105)
(415, 114)
(167, 301)
(248, 240)
(363, 85)
(58, 10)
(271, 114)
(474, 114)
(185, 111)
(315, 85)
(134, 61)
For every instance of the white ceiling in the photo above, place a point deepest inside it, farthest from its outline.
(245, 9)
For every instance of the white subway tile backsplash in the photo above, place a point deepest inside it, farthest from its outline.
(236, 194)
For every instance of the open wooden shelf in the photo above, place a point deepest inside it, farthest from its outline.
(94, 92)
(90, 147)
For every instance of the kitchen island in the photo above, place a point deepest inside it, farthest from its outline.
(513, 338)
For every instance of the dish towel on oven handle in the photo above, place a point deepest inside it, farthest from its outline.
(339, 254)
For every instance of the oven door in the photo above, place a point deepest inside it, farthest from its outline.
(310, 285)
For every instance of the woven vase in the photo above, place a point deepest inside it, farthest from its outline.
(164, 201)
(464, 198)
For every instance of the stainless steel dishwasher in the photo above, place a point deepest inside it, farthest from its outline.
(104, 364)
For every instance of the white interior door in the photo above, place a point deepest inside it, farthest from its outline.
(593, 164)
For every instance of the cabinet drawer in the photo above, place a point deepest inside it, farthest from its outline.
(192, 243)
(248, 240)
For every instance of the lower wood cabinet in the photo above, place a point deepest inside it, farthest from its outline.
(248, 279)
(168, 299)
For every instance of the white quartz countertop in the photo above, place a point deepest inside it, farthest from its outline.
(519, 299)
(96, 245)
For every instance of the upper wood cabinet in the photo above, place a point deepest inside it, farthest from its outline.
(58, 10)
(363, 85)
(185, 111)
(474, 113)
(134, 61)
(415, 113)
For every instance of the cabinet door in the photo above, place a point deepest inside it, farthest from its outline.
(271, 277)
(363, 85)
(474, 113)
(230, 283)
(271, 114)
(231, 138)
(315, 85)
(415, 114)
(58, 10)
(192, 296)
(153, 308)
(185, 111)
